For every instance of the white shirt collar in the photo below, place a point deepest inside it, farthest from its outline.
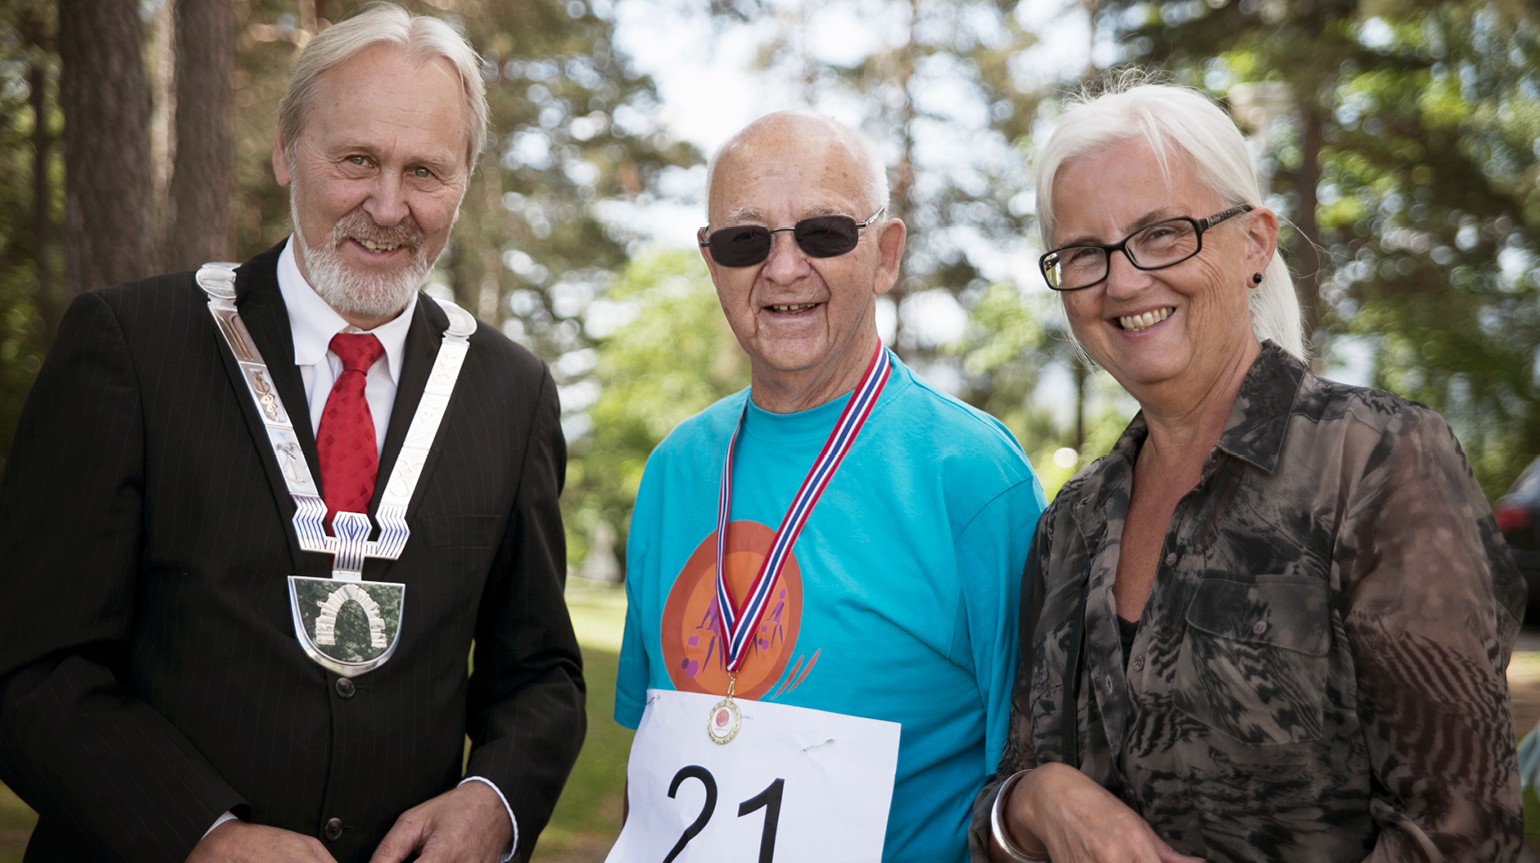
(313, 322)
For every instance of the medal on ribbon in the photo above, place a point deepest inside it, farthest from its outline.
(345, 624)
(740, 622)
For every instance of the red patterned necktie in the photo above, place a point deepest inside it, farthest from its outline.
(345, 441)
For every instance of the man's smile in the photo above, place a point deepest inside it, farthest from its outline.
(373, 246)
(376, 244)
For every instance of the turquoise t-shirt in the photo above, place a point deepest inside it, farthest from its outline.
(902, 601)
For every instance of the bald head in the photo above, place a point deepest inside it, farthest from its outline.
(805, 137)
(801, 300)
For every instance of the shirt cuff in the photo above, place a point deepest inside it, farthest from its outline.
(507, 855)
(229, 817)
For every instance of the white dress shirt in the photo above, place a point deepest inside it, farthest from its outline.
(313, 323)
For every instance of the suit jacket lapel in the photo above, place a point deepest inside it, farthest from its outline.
(422, 343)
(266, 318)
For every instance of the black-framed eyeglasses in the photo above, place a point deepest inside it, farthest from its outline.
(818, 236)
(1163, 244)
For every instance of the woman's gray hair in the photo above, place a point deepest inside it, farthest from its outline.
(420, 37)
(1175, 118)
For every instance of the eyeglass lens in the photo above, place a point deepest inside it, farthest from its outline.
(819, 237)
(1159, 245)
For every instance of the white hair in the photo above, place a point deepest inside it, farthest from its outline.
(356, 293)
(420, 37)
(1169, 117)
(874, 185)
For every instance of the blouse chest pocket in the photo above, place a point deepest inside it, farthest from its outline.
(1253, 660)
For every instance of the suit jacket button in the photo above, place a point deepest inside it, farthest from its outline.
(345, 689)
(334, 826)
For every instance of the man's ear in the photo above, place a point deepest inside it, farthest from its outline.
(280, 159)
(890, 249)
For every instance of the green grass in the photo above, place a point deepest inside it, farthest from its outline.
(16, 822)
(1531, 820)
(598, 615)
(587, 817)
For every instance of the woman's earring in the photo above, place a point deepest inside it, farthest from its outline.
(1256, 278)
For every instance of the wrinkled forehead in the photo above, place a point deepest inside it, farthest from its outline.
(780, 173)
(383, 81)
(1116, 189)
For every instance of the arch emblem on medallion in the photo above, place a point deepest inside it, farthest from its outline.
(349, 627)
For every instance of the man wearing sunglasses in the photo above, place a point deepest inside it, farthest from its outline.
(842, 688)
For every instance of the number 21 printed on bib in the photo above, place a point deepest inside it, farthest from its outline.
(794, 785)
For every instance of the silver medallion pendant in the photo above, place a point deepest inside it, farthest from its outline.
(349, 628)
(724, 722)
(345, 624)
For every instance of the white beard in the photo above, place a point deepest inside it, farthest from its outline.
(362, 294)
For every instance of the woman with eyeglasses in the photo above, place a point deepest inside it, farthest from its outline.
(1273, 622)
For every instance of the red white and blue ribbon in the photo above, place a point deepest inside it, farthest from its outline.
(739, 625)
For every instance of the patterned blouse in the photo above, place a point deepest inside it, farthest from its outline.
(1319, 670)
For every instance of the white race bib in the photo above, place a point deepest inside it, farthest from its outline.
(794, 785)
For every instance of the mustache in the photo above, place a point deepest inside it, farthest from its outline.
(359, 225)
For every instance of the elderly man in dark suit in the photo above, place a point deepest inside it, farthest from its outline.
(254, 520)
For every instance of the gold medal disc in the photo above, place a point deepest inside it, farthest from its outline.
(723, 723)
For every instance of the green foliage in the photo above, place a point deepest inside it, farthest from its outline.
(571, 129)
(23, 330)
(674, 358)
(1410, 157)
(950, 97)
(1012, 337)
(1003, 352)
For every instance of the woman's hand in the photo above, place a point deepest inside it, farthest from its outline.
(1058, 811)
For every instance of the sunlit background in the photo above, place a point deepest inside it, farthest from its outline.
(1399, 139)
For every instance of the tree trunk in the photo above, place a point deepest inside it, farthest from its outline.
(46, 300)
(900, 205)
(107, 233)
(1080, 369)
(1306, 178)
(203, 178)
(160, 66)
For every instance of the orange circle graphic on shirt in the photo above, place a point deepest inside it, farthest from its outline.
(692, 631)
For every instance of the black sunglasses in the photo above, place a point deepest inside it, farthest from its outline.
(819, 237)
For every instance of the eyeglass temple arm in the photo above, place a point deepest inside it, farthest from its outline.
(1215, 219)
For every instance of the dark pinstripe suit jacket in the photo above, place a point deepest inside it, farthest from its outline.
(149, 675)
